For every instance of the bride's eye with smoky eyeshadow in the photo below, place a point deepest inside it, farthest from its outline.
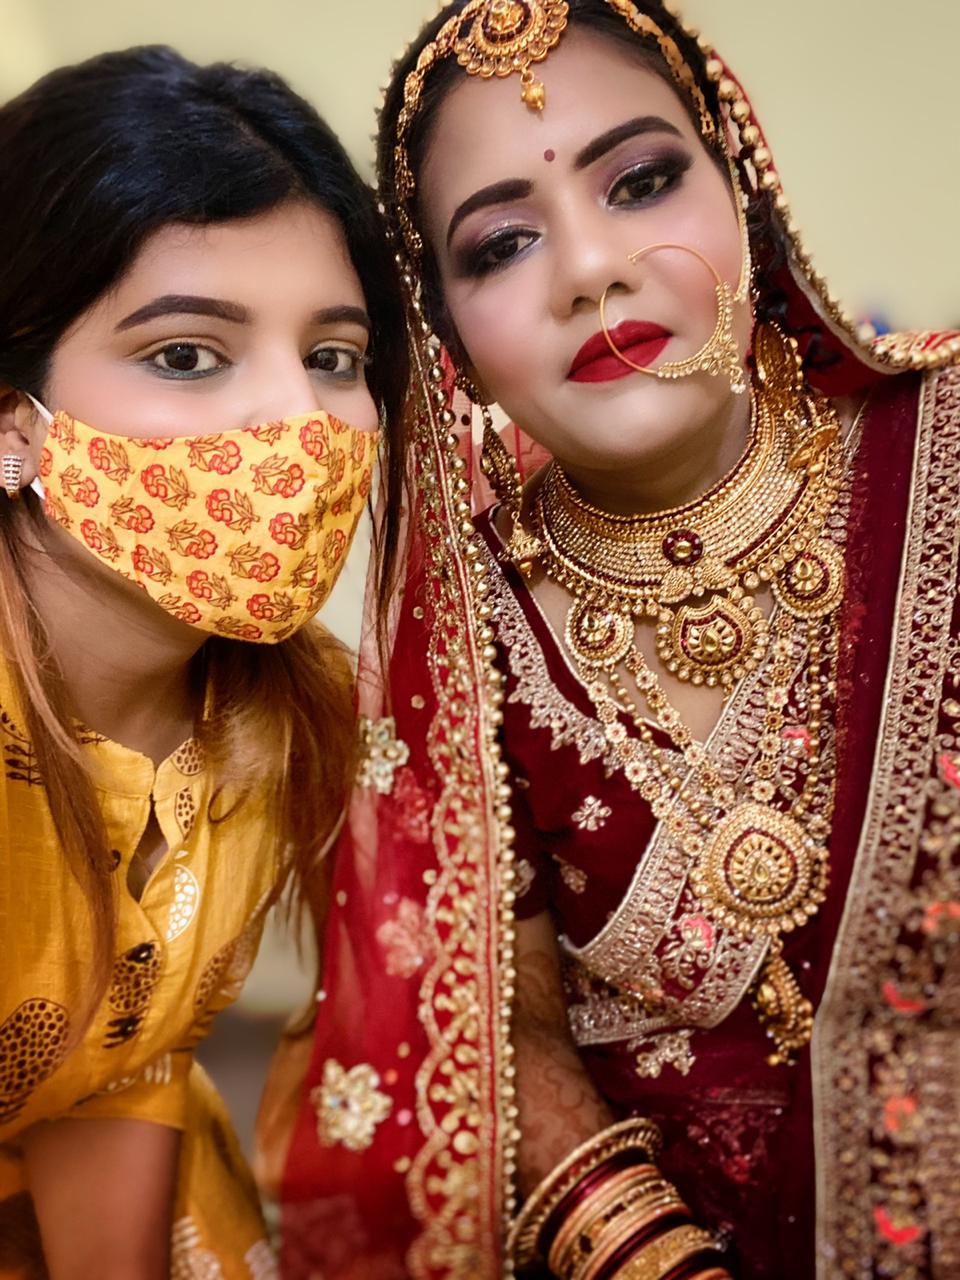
(646, 181)
(496, 251)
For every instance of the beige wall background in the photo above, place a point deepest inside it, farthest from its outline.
(859, 98)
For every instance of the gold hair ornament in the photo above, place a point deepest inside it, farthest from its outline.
(503, 37)
(719, 355)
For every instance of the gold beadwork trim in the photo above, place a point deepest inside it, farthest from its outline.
(465, 1100)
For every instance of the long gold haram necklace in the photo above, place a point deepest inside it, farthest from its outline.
(758, 868)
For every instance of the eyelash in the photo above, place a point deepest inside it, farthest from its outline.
(359, 360)
(669, 168)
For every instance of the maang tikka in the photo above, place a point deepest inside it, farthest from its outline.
(499, 38)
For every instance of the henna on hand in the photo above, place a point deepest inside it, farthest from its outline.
(559, 1105)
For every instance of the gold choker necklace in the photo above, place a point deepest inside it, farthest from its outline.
(758, 854)
(694, 568)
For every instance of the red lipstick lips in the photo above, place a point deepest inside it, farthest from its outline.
(639, 341)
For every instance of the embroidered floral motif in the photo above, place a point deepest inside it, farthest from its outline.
(575, 878)
(735, 1131)
(689, 950)
(413, 805)
(670, 1049)
(404, 940)
(382, 753)
(525, 875)
(349, 1105)
(592, 814)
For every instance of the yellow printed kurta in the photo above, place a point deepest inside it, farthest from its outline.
(182, 953)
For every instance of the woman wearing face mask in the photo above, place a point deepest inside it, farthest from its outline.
(196, 305)
(724, 617)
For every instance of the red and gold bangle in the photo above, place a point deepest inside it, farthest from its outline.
(636, 1141)
(658, 1258)
(644, 1201)
(583, 1216)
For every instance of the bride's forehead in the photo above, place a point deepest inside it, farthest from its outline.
(592, 83)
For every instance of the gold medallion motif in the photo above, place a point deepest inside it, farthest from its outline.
(760, 872)
(715, 643)
(811, 585)
(597, 635)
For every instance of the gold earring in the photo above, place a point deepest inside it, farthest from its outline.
(719, 355)
(500, 467)
(11, 465)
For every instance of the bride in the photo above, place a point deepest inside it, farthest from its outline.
(689, 997)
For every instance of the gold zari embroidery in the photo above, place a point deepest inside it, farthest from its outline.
(885, 1047)
(349, 1106)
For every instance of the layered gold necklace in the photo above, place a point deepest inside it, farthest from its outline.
(759, 860)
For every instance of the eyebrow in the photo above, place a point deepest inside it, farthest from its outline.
(496, 193)
(620, 133)
(183, 304)
(520, 188)
(338, 315)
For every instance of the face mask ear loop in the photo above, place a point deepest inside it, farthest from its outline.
(36, 484)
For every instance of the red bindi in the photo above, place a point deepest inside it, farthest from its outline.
(549, 155)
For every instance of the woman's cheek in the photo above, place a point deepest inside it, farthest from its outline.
(490, 329)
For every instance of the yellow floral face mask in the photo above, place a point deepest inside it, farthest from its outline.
(242, 533)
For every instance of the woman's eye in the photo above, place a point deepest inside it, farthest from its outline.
(645, 183)
(337, 362)
(498, 250)
(185, 360)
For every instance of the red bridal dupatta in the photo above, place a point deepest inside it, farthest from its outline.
(398, 1145)
(401, 1155)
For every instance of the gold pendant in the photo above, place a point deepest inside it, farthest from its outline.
(507, 36)
(714, 643)
(783, 1010)
(760, 873)
(811, 585)
(596, 635)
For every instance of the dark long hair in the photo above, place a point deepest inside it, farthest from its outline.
(94, 158)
